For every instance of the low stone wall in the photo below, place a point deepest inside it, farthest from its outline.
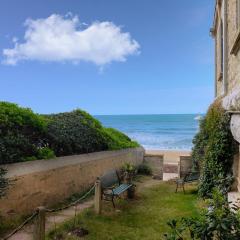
(47, 182)
(155, 161)
(185, 165)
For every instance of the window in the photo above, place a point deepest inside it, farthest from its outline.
(236, 44)
(220, 50)
(221, 46)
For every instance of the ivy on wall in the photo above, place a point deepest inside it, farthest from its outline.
(213, 151)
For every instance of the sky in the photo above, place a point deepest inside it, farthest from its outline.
(107, 57)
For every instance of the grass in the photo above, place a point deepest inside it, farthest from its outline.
(144, 218)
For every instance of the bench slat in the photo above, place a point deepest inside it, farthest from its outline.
(120, 189)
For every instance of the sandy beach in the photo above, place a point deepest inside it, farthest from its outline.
(170, 156)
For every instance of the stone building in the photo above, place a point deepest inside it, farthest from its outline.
(226, 32)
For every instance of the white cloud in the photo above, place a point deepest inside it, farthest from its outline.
(63, 38)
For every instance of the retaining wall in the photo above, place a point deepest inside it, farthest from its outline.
(47, 182)
(185, 165)
(156, 163)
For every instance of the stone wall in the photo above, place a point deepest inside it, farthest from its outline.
(233, 60)
(232, 98)
(47, 182)
(185, 165)
(156, 164)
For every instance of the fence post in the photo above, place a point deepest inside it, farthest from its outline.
(98, 197)
(39, 228)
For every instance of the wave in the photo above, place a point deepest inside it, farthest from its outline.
(156, 131)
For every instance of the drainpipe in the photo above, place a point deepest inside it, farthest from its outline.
(225, 48)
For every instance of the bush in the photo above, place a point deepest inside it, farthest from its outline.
(200, 145)
(78, 132)
(117, 140)
(21, 133)
(144, 169)
(213, 151)
(217, 222)
(45, 153)
(26, 136)
(74, 133)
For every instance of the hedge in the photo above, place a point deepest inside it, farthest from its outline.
(26, 136)
(21, 133)
(74, 133)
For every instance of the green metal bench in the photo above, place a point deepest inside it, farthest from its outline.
(112, 186)
(188, 178)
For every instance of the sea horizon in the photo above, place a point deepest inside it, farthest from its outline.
(140, 114)
(156, 131)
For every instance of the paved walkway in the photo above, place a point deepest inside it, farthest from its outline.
(51, 220)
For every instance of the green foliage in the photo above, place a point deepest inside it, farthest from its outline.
(45, 153)
(217, 222)
(3, 182)
(32, 158)
(74, 133)
(200, 144)
(213, 151)
(117, 140)
(129, 168)
(21, 133)
(144, 169)
(26, 136)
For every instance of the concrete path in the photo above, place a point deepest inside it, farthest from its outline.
(51, 220)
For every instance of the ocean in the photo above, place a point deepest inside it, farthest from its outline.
(162, 131)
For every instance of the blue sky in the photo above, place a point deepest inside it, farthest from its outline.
(163, 65)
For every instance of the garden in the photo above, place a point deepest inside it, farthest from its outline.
(144, 217)
(159, 213)
(156, 211)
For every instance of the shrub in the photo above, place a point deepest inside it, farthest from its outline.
(118, 140)
(200, 145)
(217, 222)
(213, 151)
(21, 133)
(45, 153)
(144, 169)
(74, 133)
(128, 167)
(26, 136)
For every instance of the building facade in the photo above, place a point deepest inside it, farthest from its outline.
(226, 33)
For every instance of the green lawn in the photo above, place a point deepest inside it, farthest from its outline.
(143, 218)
